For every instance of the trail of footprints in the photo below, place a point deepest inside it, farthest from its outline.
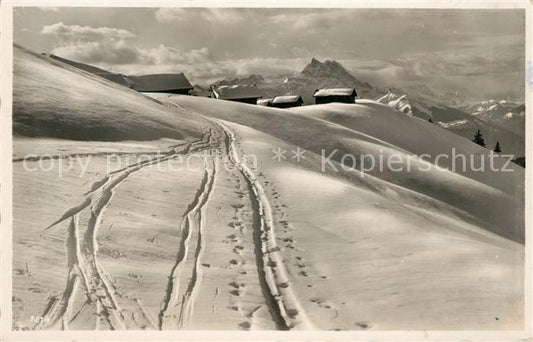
(238, 287)
(287, 239)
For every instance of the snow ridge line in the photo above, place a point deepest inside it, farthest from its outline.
(286, 302)
(36, 158)
(82, 253)
(192, 218)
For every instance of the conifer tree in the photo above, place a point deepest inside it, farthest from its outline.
(478, 139)
(498, 148)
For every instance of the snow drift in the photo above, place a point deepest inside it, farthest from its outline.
(53, 99)
(373, 129)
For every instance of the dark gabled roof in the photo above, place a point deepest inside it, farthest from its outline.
(116, 78)
(82, 66)
(264, 102)
(287, 99)
(160, 82)
(335, 92)
(235, 92)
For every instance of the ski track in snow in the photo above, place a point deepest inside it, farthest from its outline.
(284, 306)
(177, 312)
(82, 251)
(184, 280)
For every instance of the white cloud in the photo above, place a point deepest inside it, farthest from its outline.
(164, 55)
(313, 20)
(76, 32)
(265, 66)
(93, 44)
(208, 71)
(403, 57)
(451, 63)
(197, 73)
(223, 15)
(121, 52)
(99, 52)
(115, 49)
(170, 14)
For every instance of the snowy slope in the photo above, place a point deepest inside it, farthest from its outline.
(225, 245)
(374, 259)
(366, 129)
(80, 106)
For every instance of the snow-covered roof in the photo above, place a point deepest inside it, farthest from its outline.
(264, 102)
(160, 82)
(286, 99)
(335, 92)
(234, 92)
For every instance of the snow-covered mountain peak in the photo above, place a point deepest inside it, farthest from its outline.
(328, 69)
(397, 101)
(492, 108)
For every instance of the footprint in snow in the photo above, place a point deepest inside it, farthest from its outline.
(363, 325)
(245, 325)
(292, 312)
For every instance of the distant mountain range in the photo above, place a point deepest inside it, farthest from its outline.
(504, 113)
(502, 121)
(451, 110)
(328, 74)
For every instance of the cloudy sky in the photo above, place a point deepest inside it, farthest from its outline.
(479, 53)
